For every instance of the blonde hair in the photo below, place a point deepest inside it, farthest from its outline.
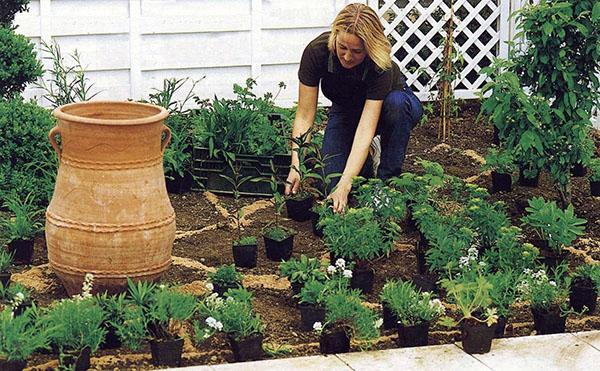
(362, 21)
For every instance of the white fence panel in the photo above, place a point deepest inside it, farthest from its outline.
(129, 46)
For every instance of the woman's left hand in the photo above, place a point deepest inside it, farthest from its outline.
(339, 196)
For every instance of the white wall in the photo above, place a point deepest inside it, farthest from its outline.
(129, 46)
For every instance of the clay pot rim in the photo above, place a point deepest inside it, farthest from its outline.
(155, 113)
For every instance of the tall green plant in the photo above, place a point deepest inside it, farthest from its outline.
(67, 83)
(18, 63)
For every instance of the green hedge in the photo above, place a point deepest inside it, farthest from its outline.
(28, 160)
(18, 63)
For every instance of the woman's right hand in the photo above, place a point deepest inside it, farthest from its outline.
(292, 183)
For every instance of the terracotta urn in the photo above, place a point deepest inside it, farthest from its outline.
(110, 214)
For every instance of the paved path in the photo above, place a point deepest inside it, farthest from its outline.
(572, 351)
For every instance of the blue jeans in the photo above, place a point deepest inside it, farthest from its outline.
(401, 111)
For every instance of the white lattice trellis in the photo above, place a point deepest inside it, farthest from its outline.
(416, 31)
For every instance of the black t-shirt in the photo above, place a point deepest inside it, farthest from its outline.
(343, 86)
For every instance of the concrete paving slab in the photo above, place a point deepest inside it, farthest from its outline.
(542, 352)
(590, 337)
(439, 357)
(314, 363)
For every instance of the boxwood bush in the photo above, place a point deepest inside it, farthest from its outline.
(18, 63)
(28, 160)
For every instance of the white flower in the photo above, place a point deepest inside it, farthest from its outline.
(212, 322)
(317, 326)
(482, 264)
(19, 295)
(331, 269)
(378, 323)
(552, 283)
(209, 286)
(463, 261)
(162, 286)
(347, 273)
(340, 263)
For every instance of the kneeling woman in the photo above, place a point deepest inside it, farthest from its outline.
(369, 97)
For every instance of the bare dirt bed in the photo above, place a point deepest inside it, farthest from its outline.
(204, 241)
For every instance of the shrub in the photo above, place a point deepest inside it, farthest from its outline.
(18, 63)
(9, 9)
(28, 161)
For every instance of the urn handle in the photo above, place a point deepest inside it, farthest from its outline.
(167, 139)
(52, 137)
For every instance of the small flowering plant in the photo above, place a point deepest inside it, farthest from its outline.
(388, 204)
(168, 311)
(544, 291)
(337, 279)
(344, 309)
(15, 296)
(411, 306)
(234, 315)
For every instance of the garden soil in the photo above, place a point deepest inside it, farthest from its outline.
(204, 235)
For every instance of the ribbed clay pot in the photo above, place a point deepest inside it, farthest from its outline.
(110, 214)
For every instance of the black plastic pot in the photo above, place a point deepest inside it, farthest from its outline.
(476, 336)
(299, 210)
(334, 341)
(548, 321)
(426, 282)
(317, 230)
(111, 339)
(279, 250)
(81, 360)
(363, 279)
(583, 293)
(6, 365)
(179, 184)
(309, 314)
(22, 307)
(578, 170)
(22, 251)
(244, 256)
(221, 288)
(166, 352)
(248, 348)
(421, 260)
(500, 327)
(390, 320)
(296, 287)
(501, 182)
(528, 182)
(413, 336)
(5, 278)
(595, 188)
(548, 256)
(496, 136)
